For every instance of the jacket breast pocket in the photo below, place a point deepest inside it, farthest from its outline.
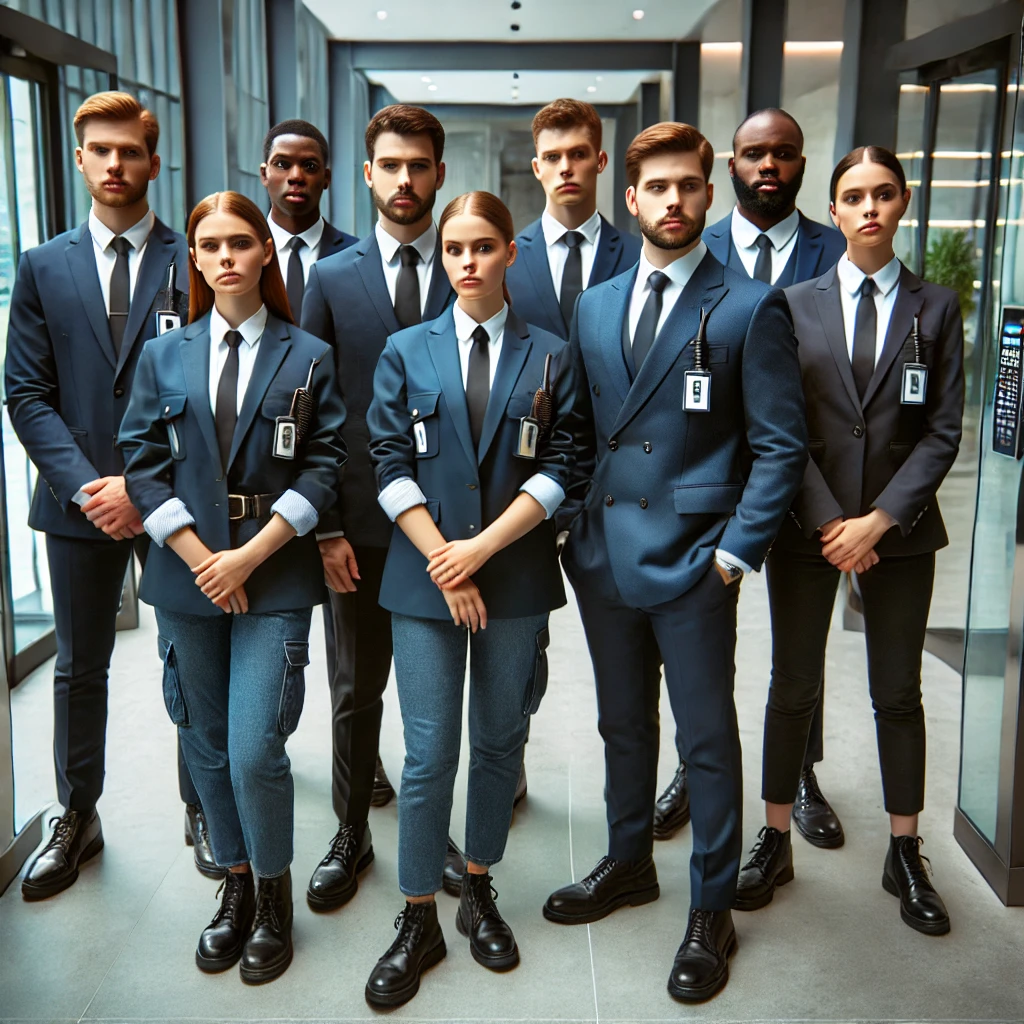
(425, 427)
(172, 412)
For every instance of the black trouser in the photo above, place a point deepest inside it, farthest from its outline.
(86, 579)
(695, 637)
(358, 633)
(896, 593)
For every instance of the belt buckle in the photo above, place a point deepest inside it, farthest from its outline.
(238, 506)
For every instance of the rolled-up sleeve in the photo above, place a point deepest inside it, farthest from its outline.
(297, 510)
(399, 496)
(167, 519)
(546, 492)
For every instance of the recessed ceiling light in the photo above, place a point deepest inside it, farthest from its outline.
(432, 88)
(591, 88)
(638, 15)
(381, 15)
(425, 78)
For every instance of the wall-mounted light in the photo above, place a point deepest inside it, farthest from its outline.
(382, 15)
(425, 78)
(591, 88)
(638, 15)
(431, 88)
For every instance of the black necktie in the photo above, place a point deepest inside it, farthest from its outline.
(478, 383)
(226, 413)
(120, 292)
(647, 325)
(865, 334)
(572, 275)
(296, 283)
(407, 290)
(763, 264)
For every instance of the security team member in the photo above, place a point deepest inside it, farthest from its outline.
(83, 305)
(571, 247)
(230, 467)
(697, 428)
(296, 171)
(392, 279)
(767, 238)
(881, 353)
(453, 419)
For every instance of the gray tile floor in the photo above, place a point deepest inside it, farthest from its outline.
(119, 945)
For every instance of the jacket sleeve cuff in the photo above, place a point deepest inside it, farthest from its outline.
(399, 496)
(80, 498)
(724, 559)
(546, 492)
(329, 535)
(167, 519)
(297, 511)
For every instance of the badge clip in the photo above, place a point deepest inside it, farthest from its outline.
(284, 437)
(915, 375)
(529, 434)
(419, 432)
(697, 382)
(168, 319)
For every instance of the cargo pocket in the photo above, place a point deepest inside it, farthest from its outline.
(537, 685)
(293, 689)
(173, 700)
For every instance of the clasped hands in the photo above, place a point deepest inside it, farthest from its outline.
(110, 509)
(450, 567)
(849, 544)
(222, 576)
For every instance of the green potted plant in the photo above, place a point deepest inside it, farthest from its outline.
(949, 261)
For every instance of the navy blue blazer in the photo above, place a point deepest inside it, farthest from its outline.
(333, 240)
(346, 303)
(170, 442)
(818, 246)
(669, 487)
(529, 278)
(67, 389)
(419, 380)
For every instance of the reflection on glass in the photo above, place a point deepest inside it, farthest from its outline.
(910, 143)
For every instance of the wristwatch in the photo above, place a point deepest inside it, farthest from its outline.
(734, 572)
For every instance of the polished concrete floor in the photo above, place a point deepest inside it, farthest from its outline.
(118, 946)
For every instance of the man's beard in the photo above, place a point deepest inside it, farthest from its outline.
(116, 200)
(767, 204)
(664, 240)
(409, 216)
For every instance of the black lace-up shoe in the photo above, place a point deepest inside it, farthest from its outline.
(418, 946)
(197, 835)
(490, 939)
(454, 869)
(220, 945)
(335, 879)
(813, 815)
(770, 864)
(268, 950)
(612, 884)
(672, 809)
(906, 877)
(383, 791)
(76, 837)
(701, 967)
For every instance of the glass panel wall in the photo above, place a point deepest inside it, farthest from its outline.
(314, 103)
(249, 113)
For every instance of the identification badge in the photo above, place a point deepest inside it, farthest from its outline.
(529, 432)
(697, 391)
(915, 384)
(284, 437)
(419, 432)
(166, 321)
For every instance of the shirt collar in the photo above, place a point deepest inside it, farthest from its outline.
(251, 331)
(746, 234)
(465, 325)
(137, 234)
(678, 271)
(553, 230)
(851, 277)
(424, 245)
(283, 239)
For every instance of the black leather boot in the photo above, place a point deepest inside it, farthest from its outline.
(418, 946)
(268, 950)
(770, 864)
(701, 967)
(197, 835)
(383, 791)
(335, 879)
(220, 945)
(490, 939)
(76, 837)
(612, 884)
(672, 809)
(906, 877)
(454, 869)
(813, 815)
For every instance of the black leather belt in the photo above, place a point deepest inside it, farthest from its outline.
(250, 506)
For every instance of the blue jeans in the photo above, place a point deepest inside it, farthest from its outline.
(430, 671)
(234, 686)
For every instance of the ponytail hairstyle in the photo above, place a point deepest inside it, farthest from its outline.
(492, 209)
(200, 295)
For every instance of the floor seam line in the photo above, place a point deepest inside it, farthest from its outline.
(572, 875)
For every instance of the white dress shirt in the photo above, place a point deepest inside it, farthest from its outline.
(679, 273)
(283, 241)
(887, 282)
(392, 262)
(106, 257)
(465, 325)
(782, 236)
(558, 251)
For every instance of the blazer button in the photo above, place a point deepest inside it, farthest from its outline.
(648, 447)
(609, 500)
(471, 526)
(613, 446)
(596, 389)
(415, 413)
(643, 503)
(472, 487)
(858, 431)
(119, 392)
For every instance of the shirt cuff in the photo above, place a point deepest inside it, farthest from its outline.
(330, 535)
(545, 491)
(80, 498)
(297, 511)
(399, 496)
(167, 519)
(724, 559)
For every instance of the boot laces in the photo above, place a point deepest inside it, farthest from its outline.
(342, 845)
(232, 886)
(699, 929)
(63, 831)
(763, 850)
(482, 895)
(266, 905)
(410, 927)
(605, 866)
(810, 791)
(914, 861)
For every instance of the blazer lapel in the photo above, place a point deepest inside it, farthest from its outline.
(444, 354)
(908, 305)
(533, 251)
(195, 360)
(85, 274)
(808, 250)
(606, 259)
(614, 310)
(440, 290)
(152, 276)
(830, 312)
(372, 273)
(515, 347)
(717, 239)
(274, 346)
